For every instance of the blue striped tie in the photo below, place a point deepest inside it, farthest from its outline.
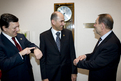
(58, 40)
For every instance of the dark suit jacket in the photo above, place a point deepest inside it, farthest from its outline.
(13, 67)
(102, 63)
(55, 65)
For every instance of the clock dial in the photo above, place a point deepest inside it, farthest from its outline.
(66, 11)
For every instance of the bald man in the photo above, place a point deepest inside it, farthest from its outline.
(58, 55)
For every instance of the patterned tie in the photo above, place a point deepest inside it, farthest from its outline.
(99, 41)
(58, 40)
(17, 45)
(97, 44)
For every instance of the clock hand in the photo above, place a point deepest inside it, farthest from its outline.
(65, 16)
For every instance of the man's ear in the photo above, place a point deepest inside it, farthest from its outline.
(53, 22)
(103, 25)
(4, 28)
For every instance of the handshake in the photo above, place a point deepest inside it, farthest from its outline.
(81, 57)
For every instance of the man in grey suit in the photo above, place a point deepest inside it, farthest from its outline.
(102, 63)
(58, 52)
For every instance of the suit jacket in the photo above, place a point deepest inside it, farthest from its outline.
(13, 67)
(102, 63)
(55, 65)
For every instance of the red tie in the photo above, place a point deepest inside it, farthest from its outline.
(17, 45)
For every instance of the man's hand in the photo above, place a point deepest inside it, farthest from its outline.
(75, 61)
(81, 57)
(73, 77)
(45, 80)
(38, 53)
(26, 51)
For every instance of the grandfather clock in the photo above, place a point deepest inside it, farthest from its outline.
(67, 9)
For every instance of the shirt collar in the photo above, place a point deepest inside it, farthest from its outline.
(9, 37)
(104, 36)
(54, 31)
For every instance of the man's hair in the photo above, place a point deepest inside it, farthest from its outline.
(54, 16)
(6, 18)
(107, 20)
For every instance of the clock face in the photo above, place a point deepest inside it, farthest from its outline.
(66, 11)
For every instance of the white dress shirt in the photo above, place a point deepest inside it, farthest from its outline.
(104, 36)
(54, 33)
(10, 38)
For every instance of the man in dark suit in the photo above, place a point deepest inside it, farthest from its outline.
(14, 51)
(102, 63)
(57, 61)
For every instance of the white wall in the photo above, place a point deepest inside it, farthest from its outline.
(34, 16)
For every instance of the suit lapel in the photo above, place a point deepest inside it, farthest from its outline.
(20, 41)
(7, 42)
(51, 39)
(105, 40)
(63, 35)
